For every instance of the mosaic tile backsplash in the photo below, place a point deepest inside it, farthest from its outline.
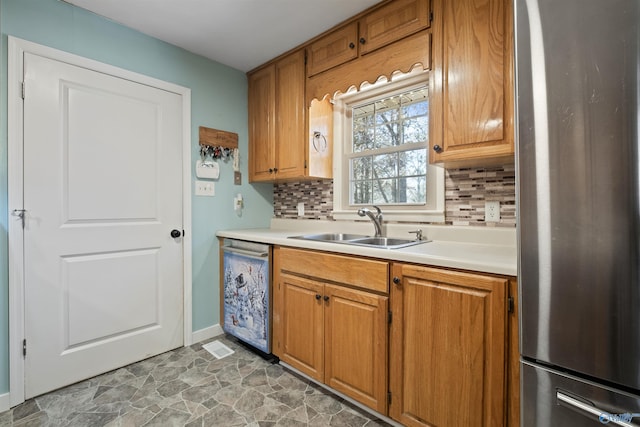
(466, 190)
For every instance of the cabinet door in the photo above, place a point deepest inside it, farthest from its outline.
(472, 110)
(291, 136)
(356, 331)
(335, 48)
(302, 325)
(392, 22)
(447, 347)
(262, 93)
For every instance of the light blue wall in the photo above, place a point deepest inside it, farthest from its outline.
(218, 100)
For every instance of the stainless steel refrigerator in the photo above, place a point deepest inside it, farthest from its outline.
(578, 91)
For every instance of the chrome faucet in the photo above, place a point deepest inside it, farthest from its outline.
(376, 218)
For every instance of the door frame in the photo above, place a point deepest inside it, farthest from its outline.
(16, 50)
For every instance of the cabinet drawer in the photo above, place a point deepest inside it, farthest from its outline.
(360, 272)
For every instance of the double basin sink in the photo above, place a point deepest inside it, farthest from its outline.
(361, 240)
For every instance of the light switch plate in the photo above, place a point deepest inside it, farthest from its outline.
(237, 178)
(205, 188)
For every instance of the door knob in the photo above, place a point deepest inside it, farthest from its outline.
(176, 233)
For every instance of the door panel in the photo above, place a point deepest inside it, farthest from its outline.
(302, 325)
(128, 287)
(356, 345)
(102, 191)
(448, 347)
(125, 139)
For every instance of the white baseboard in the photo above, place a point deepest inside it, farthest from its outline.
(5, 402)
(206, 333)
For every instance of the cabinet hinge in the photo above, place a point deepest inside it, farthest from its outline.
(390, 317)
(510, 303)
(305, 57)
(430, 16)
(24, 347)
(22, 90)
(389, 397)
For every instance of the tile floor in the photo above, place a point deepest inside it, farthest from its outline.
(189, 387)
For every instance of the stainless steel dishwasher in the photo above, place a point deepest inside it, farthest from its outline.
(247, 299)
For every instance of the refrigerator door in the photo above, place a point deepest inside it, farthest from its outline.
(559, 400)
(577, 82)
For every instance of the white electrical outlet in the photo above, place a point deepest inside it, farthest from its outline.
(300, 208)
(205, 188)
(491, 211)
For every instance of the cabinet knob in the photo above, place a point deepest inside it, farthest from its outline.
(352, 45)
(396, 280)
(318, 296)
(437, 149)
(270, 170)
(275, 170)
(362, 40)
(326, 298)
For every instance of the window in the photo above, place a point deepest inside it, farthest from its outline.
(382, 155)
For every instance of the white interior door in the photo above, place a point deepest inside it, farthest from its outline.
(102, 192)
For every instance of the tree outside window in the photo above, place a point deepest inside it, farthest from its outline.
(388, 153)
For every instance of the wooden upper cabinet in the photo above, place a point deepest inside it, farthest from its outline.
(335, 48)
(291, 117)
(281, 145)
(392, 22)
(262, 127)
(448, 347)
(472, 91)
(389, 23)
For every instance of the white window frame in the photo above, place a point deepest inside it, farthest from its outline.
(433, 210)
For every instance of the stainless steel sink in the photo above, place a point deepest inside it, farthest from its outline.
(360, 240)
(331, 237)
(386, 242)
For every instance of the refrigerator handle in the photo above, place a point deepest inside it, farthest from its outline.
(593, 412)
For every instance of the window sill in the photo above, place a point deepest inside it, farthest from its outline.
(395, 216)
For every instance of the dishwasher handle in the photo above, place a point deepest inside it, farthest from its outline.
(246, 252)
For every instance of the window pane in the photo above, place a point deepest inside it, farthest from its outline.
(387, 135)
(415, 130)
(363, 139)
(361, 192)
(415, 189)
(385, 166)
(360, 168)
(383, 190)
(413, 162)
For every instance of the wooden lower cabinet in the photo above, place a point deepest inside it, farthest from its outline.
(330, 332)
(448, 347)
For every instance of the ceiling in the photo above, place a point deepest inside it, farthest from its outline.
(239, 33)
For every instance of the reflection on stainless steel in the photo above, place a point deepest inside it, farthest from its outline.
(578, 91)
(375, 218)
(360, 240)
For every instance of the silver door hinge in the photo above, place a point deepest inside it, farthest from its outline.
(510, 304)
(22, 89)
(24, 347)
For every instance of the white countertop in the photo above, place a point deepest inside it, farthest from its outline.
(489, 251)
